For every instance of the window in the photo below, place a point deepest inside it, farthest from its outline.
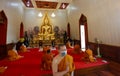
(82, 31)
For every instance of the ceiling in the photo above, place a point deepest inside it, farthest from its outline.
(47, 4)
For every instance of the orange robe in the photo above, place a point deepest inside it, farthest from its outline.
(76, 49)
(23, 48)
(62, 65)
(46, 61)
(45, 48)
(13, 55)
(89, 56)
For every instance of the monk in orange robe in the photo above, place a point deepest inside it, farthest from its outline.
(76, 49)
(45, 48)
(13, 55)
(23, 48)
(46, 61)
(63, 64)
(88, 56)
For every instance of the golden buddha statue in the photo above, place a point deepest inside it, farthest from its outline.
(46, 28)
(46, 32)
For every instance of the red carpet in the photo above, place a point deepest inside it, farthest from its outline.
(30, 64)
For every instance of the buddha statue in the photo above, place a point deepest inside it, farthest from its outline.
(46, 28)
(46, 32)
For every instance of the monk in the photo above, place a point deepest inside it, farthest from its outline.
(62, 64)
(13, 55)
(88, 56)
(46, 61)
(45, 48)
(23, 48)
(76, 49)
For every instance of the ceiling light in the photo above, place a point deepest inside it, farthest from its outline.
(63, 5)
(40, 14)
(28, 3)
(53, 15)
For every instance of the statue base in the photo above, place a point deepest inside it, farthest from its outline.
(38, 43)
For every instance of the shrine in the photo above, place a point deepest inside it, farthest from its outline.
(46, 34)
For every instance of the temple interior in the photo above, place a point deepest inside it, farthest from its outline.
(30, 29)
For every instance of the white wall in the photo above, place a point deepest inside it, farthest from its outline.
(31, 18)
(103, 18)
(14, 12)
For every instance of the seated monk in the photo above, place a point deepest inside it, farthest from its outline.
(68, 45)
(88, 56)
(13, 55)
(2, 69)
(23, 48)
(45, 48)
(76, 49)
(46, 61)
(62, 64)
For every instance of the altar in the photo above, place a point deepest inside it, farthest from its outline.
(46, 34)
(37, 42)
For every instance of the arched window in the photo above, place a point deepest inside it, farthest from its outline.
(83, 32)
